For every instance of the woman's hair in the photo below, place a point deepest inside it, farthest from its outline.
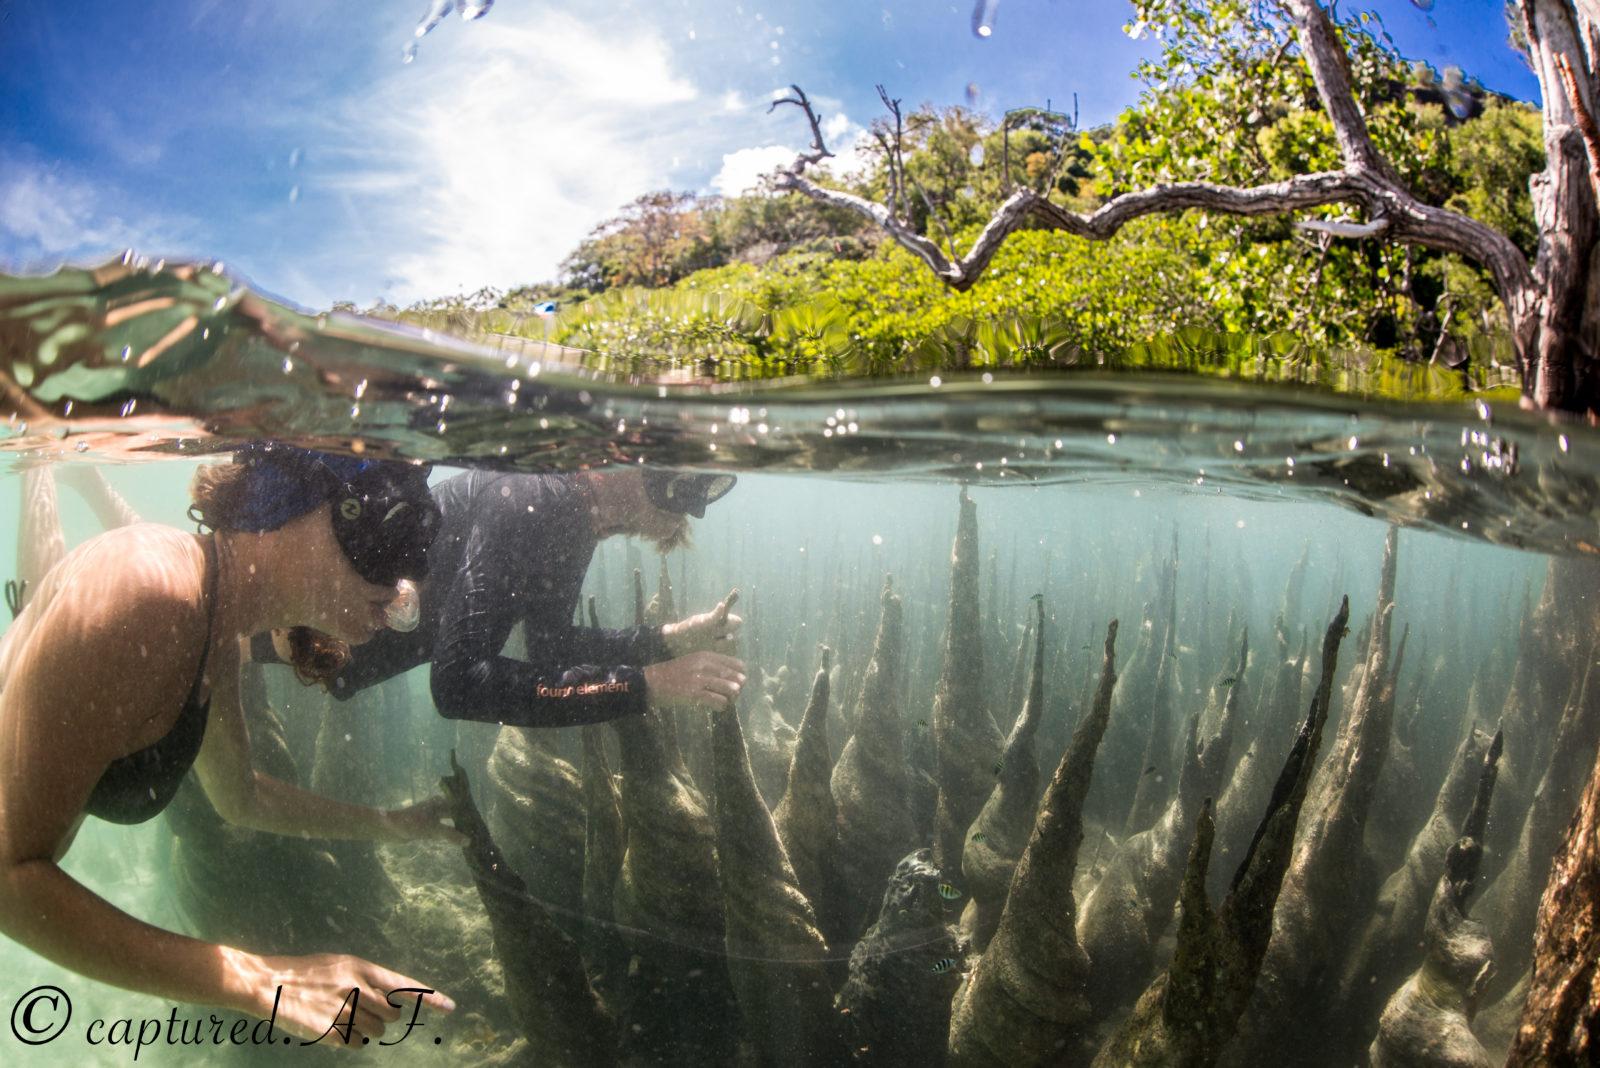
(317, 658)
(217, 495)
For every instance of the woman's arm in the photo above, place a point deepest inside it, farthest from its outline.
(250, 798)
(81, 693)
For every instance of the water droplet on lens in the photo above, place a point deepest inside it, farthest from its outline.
(983, 17)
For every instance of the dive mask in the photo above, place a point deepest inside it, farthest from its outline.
(384, 518)
(684, 492)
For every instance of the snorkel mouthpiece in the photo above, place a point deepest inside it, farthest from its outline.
(404, 613)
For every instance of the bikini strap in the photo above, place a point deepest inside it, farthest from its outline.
(212, 567)
(16, 590)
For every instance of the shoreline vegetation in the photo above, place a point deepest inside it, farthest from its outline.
(772, 284)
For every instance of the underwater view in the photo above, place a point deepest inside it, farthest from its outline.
(1159, 634)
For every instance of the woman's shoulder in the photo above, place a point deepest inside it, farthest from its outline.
(112, 633)
(143, 569)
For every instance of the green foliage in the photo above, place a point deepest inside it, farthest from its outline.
(1494, 156)
(657, 239)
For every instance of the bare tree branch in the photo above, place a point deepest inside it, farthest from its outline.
(1061, 148)
(897, 157)
(895, 202)
(819, 151)
(933, 213)
(1330, 70)
(1366, 180)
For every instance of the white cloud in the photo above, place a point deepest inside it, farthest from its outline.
(489, 158)
(732, 101)
(835, 127)
(743, 170)
(48, 215)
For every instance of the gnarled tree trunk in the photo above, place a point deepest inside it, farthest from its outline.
(1561, 1020)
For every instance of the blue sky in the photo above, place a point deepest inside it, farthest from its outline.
(289, 139)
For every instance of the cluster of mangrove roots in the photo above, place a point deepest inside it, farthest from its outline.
(966, 741)
(1263, 865)
(536, 811)
(1026, 1001)
(871, 782)
(1429, 1019)
(997, 837)
(546, 982)
(272, 892)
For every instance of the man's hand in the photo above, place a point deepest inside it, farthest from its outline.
(699, 680)
(713, 631)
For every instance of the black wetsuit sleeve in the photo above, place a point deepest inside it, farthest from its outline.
(573, 676)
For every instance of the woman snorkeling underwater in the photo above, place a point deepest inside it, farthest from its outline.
(122, 672)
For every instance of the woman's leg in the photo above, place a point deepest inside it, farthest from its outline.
(40, 543)
(106, 503)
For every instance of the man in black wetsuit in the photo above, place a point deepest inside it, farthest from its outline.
(514, 548)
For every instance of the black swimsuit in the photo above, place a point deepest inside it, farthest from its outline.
(138, 786)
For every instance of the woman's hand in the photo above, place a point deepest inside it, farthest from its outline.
(316, 997)
(712, 631)
(423, 822)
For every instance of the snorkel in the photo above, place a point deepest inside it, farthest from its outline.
(404, 613)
